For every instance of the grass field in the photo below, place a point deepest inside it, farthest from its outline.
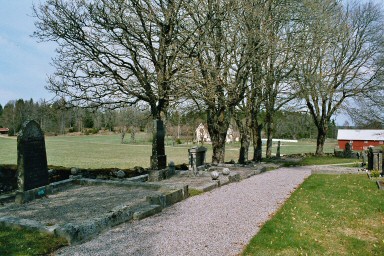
(327, 215)
(24, 242)
(106, 151)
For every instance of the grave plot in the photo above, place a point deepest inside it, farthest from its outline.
(79, 209)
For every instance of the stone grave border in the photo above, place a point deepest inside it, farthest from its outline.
(380, 184)
(78, 233)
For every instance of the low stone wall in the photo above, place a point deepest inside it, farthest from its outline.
(162, 196)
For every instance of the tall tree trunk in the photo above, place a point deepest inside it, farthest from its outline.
(243, 125)
(257, 142)
(321, 136)
(244, 148)
(269, 130)
(218, 123)
(256, 128)
(158, 158)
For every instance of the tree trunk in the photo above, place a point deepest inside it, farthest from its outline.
(244, 138)
(269, 130)
(158, 158)
(321, 136)
(244, 148)
(218, 147)
(123, 131)
(257, 143)
(218, 123)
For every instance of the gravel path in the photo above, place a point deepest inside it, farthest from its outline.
(220, 222)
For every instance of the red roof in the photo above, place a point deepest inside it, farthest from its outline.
(4, 129)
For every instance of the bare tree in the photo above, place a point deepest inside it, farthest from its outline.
(367, 112)
(116, 53)
(339, 49)
(277, 65)
(219, 70)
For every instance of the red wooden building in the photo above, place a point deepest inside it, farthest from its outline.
(4, 130)
(360, 139)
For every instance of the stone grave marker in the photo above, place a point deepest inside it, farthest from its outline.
(278, 149)
(364, 157)
(348, 150)
(196, 158)
(32, 168)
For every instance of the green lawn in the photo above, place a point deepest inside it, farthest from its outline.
(327, 215)
(106, 151)
(23, 242)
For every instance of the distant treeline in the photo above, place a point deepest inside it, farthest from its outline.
(59, 118)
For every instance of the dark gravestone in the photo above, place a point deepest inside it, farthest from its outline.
(278, 150)
(375, 159)
(32, 166)
(370, 158)
(158, 158)
(196, 158)
(364, 158)
(348, 150)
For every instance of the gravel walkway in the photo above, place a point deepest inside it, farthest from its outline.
(220, 222)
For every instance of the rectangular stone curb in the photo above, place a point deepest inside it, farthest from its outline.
(118, 183)
(141, 178)
(166, 199)
(30, 195)
(379, 185)
(77, 233)
(207, 187)
(184, 189)
(224, 182)
(7, 198)
(234, 177)
(146, 211)
(27, 224)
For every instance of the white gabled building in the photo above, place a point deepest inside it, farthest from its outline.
(202, 134)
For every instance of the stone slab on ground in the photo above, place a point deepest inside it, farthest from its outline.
(85, 208)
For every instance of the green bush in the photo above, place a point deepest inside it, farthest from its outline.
(375, 173)
(178, 141)
(95, 130)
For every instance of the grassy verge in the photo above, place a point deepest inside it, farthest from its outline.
(22, 242)
(327, 215)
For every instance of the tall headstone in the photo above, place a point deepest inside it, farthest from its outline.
(278, 150)
(158, 158)
(32, 166)
(364, 158)
(348, 150)
(370, 158)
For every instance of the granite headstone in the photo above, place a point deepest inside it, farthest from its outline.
(32, 166)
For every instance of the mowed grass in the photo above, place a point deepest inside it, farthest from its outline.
(106, 151)
(327, 215)
(24, 242)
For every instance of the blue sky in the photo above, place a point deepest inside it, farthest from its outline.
(24, 63)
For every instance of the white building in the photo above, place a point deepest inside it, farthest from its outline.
(202, 134)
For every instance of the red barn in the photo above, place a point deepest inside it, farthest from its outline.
(4, 130)
(360, 139)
